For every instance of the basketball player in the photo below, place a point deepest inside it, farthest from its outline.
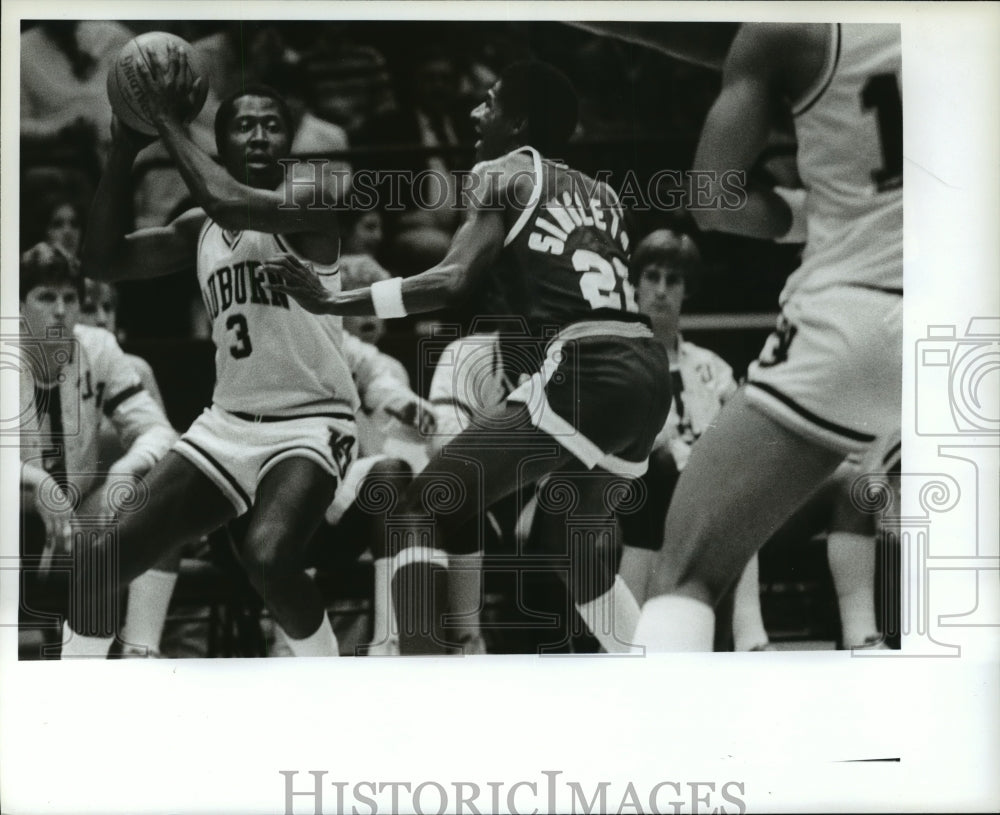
(78, 376)
(828, 381)
(591, 406)
(280, 432)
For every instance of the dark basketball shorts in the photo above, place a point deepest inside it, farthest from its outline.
(603, 393)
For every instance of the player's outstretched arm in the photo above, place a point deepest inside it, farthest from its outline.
(702, 44)
(736, 132)
(473, 250)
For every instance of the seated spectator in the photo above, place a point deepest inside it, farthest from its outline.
(53, 216)
(64, 100)
(78, 376)
(361, 232)
(428, 119)
(345, 82)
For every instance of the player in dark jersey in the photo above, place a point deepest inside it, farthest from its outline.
(599, 392)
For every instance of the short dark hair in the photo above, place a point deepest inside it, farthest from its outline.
(544, 97)
(668, 247)
(228, 106)
(47, 265)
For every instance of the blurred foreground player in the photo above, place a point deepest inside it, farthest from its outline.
(598, 390)
(280, 432)
(828, 381)
(77, 379)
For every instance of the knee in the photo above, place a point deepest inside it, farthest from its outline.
(266, 550)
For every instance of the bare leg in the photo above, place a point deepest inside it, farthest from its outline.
(179, 504)
(290, 502)
(744, 479)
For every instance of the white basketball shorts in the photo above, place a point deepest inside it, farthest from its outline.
(236, 453)
(832, 371)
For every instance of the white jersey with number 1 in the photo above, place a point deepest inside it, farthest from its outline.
(849, 127)
(272, 357)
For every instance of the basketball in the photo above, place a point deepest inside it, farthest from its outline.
(125, 89)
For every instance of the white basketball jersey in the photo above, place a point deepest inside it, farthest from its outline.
(850, 133)
(272, 357)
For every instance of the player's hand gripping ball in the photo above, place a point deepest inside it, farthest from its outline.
(149, 69)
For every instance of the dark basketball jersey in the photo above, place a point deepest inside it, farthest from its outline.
(565, 260)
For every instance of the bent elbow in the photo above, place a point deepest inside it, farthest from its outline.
(229, 214)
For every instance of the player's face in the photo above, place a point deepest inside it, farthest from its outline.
(99, 308)
(257, 137)
(660, 293)
(64, 229)
(496, 131)
(51, 311)
(366, 329)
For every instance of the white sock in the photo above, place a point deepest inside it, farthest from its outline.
(465, 595)
(148, 601)
(383, 611)
(321, 643)
(417, 554)
(612, 618)
(748, 624)
(77, 645)
(673, 622)
(852, 565)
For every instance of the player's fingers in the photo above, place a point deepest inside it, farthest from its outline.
(184, 73)
(152, 66)
(286, 270)
(195, 93)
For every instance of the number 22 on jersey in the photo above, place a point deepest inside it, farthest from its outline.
(603, 282)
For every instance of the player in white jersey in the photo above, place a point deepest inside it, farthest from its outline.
(75, 379)
(280, 432)
(828, 381)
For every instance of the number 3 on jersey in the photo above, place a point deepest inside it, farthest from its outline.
(243, 348)
(604, 283)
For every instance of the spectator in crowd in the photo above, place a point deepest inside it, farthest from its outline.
(78, 377)
(345, 82)
(428, 120)
(64, 100)
(361, 232)
(604, 78)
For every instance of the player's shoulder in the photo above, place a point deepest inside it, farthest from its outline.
(790, 53)
(510, 175)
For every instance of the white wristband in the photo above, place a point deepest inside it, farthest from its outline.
(796, 200)
(387, 297)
